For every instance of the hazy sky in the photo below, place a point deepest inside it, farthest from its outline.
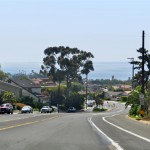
(110, 29)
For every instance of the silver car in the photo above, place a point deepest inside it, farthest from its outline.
(27, 109)
(46, 109)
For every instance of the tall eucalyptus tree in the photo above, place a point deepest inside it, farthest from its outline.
(66, 63)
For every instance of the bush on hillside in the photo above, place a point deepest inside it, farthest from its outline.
(18, 106)
(124, 98)
(135, 110)
(96, 109)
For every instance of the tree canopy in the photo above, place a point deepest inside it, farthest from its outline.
(9, 97)
(65, 63)
(138, 67)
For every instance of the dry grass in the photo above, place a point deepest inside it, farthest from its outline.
(19, 104)
(147, 118)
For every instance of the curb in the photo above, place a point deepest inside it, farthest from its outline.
(142, 121)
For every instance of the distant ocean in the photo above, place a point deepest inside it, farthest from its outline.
(102, 70)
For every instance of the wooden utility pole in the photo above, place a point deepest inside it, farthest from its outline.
(143, 76)
(143, 61)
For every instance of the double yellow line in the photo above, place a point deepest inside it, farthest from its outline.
(27, 123)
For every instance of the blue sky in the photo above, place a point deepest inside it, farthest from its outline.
(110, 29)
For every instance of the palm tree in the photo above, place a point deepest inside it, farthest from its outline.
(87, 67)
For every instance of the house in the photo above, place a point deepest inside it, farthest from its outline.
(123, 87)
(5, 86)
(27, 84)
(126, 93)
(28, 88)
(112, 95)
(23, 86)
(43, 82)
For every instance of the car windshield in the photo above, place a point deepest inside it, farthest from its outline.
(45, 107)
(3, 105)
(71, 107)
(25, 107)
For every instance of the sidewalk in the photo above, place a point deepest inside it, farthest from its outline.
(16, 112)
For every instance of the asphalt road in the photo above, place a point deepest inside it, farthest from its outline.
(128, 134)
(73, 131)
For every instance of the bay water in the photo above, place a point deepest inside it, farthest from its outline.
(102, 70)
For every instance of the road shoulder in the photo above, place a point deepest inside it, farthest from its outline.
(144, 121)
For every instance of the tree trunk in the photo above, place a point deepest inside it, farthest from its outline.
(86, 89)
(68, 88)
(58, 101)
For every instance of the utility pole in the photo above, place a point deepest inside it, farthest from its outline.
(143, 76)
(133, 74)
(143, 49)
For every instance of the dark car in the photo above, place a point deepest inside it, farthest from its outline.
(6, 108)
(26, 109)
(71, 109)
(46, 109)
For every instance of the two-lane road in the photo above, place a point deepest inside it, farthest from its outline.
(51, 131)
(127, 133)
(73, 131)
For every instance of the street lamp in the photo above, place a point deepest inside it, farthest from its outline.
(132, 60)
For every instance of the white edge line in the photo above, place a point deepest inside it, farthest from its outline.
(112, 142)
(97, 114)
(136, 135)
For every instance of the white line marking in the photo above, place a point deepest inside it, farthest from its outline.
(136, 135)
(118, 147)
(109, 113)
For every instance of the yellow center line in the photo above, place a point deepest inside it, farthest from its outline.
(27, 123)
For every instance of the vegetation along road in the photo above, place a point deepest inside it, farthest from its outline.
(74, 131)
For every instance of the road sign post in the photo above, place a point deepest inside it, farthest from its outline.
(142, 99)
(142, 112)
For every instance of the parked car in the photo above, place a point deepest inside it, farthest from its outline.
(117, 98)
(46, 109)
(71, 109)
(90, 104)
(6, 108)
(26, 109)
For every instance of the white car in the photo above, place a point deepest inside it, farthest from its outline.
(46, 109)
(27, 109)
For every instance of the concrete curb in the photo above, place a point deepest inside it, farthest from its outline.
(142, 121)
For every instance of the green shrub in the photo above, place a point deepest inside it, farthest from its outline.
(96, 109)
(135, 110)
(62, 107)
(124, 98)
(38, 106)
(75, 100)
(103, 109)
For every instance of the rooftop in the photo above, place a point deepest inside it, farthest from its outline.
(25, 82)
